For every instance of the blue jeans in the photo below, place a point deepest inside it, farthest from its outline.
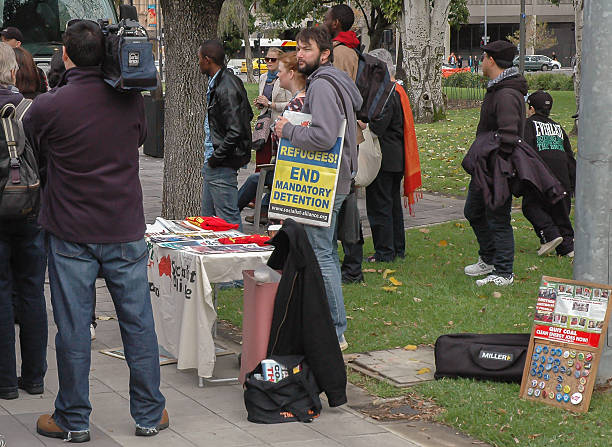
(220, 194)
(73, 269)
(248, 190)
(22, 270)
(325, 246)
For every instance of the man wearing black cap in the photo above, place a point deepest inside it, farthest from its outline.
(551, 223)
(502, 112)
(12, 36)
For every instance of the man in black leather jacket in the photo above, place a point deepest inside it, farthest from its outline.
(227, 145)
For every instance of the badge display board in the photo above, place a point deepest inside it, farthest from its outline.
(570, 323)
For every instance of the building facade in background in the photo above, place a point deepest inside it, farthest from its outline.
(503, 20)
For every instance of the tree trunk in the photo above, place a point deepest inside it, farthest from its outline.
(187, 24)
(531, 35)
(579, 24)
(422, 28)
(248, 56)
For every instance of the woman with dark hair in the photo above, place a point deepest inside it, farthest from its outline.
(28, 80)
(56, 70)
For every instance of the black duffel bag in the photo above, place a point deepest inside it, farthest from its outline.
(294, 398)
(499, 357)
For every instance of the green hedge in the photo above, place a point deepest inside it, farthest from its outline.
(464, 79)
(545, 81)
(549, 81)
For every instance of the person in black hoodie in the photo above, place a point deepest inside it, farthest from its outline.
(551, 223)
(502, 112)
(383, 195)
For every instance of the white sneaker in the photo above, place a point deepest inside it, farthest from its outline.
(495, 279)
(549, 246)
(478, 269)
(92, 331)
(570, 254)
(343, 343)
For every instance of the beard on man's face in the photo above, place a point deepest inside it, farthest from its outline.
(308, 69)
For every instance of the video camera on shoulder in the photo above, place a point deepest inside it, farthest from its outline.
(129, 64)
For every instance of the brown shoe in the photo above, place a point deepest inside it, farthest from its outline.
(163, 424)
(46, 426)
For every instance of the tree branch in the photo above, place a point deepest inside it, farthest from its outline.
(365, 16)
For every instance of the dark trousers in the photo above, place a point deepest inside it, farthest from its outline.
(384, 207)
(492, 229)
(550, 221)
(248, 191)
(353, 257)
(22, 270)
(346, 231)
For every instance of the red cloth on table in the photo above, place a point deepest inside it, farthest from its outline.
(211, 223)
(252, 239)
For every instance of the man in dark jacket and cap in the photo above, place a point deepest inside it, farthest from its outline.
(551, 223)
(503, 112)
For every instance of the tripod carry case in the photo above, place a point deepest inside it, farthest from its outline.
(499, 357)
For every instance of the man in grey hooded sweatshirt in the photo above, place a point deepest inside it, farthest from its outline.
(324, 103)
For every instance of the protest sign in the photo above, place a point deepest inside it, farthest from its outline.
(570, 322)
(304, 186)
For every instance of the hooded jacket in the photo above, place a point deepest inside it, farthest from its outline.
(503, 108)
(324, 104)
(499, 174)
(553, 145)
(301, 322)
(389, 126)
(345, 56)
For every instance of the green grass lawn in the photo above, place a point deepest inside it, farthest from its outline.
(436, 298)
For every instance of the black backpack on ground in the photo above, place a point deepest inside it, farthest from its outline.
(374, 85)
(499, 357)
(19, 179)
(294, 398)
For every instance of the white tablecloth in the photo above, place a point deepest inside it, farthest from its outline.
(182, 299)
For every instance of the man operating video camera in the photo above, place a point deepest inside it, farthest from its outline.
(88, 135)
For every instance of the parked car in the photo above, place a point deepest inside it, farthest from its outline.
(259, 66)
(537, 62)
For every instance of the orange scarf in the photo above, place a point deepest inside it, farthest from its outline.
(412, 164)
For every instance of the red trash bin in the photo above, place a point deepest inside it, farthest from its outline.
(257, 311)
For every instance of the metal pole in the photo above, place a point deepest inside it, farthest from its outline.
(593, 260)
(486, 36)
(522, 39)
(158, 36)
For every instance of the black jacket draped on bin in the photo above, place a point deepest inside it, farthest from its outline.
(498, 173)
(301, 323)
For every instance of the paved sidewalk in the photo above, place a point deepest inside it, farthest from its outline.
(214, 415)
(431, 209)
